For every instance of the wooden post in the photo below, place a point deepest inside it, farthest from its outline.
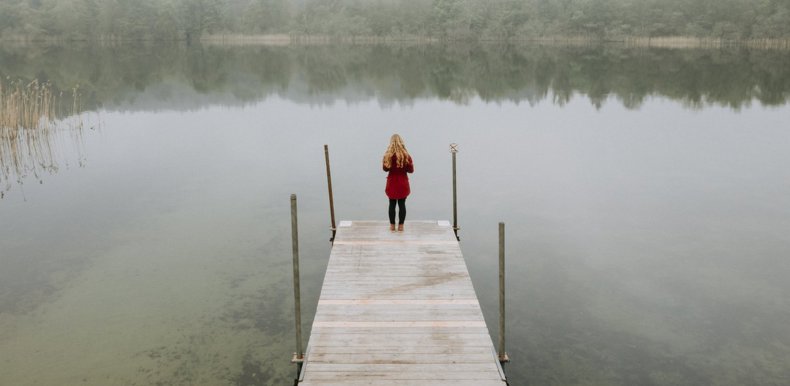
(298, 357)
(329, 187)
(503, 358)
(454, 151)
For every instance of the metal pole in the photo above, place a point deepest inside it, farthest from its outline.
(454, 150)
(299, 354)
(502, 354)
(329, 187)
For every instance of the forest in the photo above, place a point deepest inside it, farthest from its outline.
(467, 20)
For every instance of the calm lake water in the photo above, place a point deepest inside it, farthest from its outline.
(646, 194)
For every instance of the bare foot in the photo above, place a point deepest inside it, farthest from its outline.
(392, 227)
(400, 227)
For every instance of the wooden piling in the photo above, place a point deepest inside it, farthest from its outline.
(502, 354)
(299, 354)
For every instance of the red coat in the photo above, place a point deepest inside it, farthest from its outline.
(397, 180)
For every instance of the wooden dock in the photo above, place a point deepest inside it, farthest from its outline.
(398, 308)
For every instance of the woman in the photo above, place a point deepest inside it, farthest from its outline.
(397, 162)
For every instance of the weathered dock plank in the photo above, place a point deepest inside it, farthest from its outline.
(396, 309)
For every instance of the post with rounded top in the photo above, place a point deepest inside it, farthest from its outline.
(503, 358)
(298, 357)
(329, 187)
(454, 151)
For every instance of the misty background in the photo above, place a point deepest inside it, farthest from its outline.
(168, 20)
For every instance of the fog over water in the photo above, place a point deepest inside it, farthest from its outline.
(646, 195)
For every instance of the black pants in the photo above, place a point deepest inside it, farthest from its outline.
(401, 210)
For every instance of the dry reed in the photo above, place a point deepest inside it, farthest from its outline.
(29, 116)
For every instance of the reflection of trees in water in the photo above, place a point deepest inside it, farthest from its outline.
(137, 77)
(184, 77)
(31, 115)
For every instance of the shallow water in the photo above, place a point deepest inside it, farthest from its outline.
(647, 207)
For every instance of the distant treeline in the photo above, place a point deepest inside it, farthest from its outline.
(439, 19)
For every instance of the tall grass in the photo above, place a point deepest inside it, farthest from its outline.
(30, 116)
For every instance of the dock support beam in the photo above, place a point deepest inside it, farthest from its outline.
(454, 151)
(502, 354)
(298, 357)
(329, 187)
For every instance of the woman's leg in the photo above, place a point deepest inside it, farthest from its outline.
(401, 212)
(392, 212)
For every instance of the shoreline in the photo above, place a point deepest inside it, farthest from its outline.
(676, 42)
(275, 40)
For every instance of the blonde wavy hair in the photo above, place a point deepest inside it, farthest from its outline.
(398, 149)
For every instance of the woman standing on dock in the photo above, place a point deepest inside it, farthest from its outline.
(397, 162)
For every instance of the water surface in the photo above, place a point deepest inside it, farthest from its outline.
(645, 192)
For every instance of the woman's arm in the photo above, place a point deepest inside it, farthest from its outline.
(410, 166)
